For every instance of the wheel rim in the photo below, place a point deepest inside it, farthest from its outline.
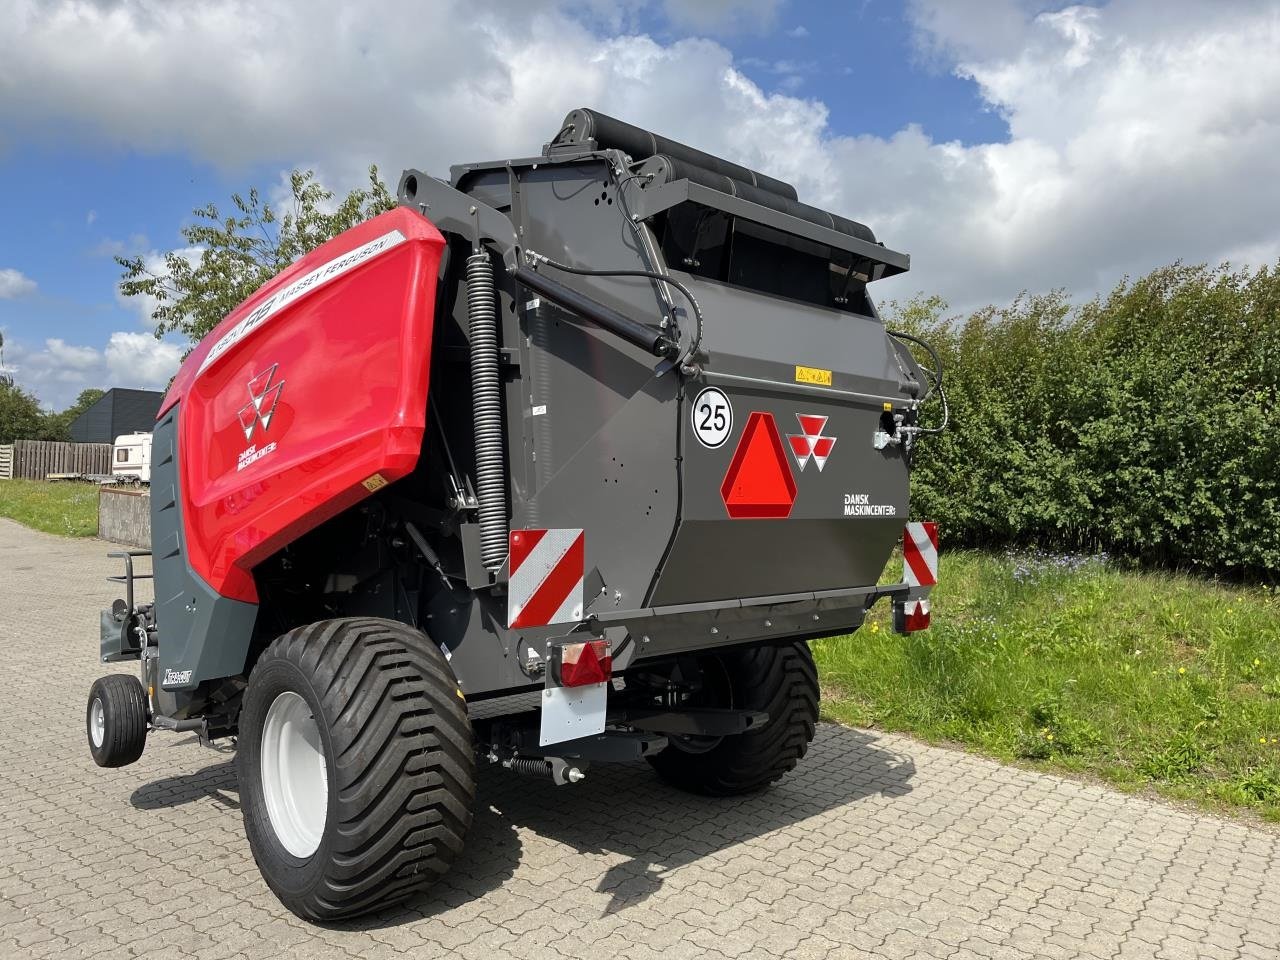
(295, 779)
(97, 723)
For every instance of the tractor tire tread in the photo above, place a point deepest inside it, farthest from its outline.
(402, 776)
(780, 680)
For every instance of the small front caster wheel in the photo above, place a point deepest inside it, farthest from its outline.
(116, 720)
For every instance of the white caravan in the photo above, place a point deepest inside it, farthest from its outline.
(131, 458)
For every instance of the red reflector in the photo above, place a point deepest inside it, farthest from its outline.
(582, 664)
(910, 616)
(758, 483)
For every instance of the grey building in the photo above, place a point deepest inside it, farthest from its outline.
(117, 411)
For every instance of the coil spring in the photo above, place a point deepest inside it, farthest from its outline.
(529, 766)
(491, 492)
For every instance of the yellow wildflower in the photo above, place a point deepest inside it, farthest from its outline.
(1182, 670)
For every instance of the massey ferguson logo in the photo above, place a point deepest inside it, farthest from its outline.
(263, 395)
(810, 444)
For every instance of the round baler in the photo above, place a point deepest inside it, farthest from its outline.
(560, 462)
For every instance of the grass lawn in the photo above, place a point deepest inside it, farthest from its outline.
(1142, 679)
(68, 508)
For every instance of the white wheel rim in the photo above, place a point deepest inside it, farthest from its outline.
(295, 779)
(97, 723)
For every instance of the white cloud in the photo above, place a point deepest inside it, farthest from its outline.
(68, 360)
(1140, 131)
(800, 31)
(952, 29)
(90, 217)
(136, 359)
(1138, 136)
(57, 371)
(14, 284)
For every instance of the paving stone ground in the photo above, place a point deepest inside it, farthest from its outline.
(877, 846)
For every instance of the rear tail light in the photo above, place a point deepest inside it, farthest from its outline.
(583, 664)
(910, 615)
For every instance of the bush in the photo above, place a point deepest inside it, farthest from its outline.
(1144, 423)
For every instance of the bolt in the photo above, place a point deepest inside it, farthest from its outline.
(815, 616)
(574, 775)
(768, 623)
(644, 639)
(715, 630)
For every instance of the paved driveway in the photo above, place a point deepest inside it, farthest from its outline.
(877, 846)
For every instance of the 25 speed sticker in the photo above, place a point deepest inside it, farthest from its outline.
(712, 417)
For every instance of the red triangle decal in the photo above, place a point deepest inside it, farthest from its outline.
(758, 483)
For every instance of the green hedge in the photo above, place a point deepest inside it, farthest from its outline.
(1144, 423)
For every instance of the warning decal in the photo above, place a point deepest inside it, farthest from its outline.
(920, 554)
(758, 484)
(547, 568)
(814, 375)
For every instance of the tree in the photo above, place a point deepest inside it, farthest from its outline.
(231, 257)
(20, 414)
(57, 426)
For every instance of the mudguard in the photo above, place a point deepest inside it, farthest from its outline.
(305, 399)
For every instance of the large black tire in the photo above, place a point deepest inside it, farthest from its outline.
(780, 680)
(116, 720)
(398, 760)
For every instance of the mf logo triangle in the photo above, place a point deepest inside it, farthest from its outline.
(758, 483)
(263, 394)
(810, 444)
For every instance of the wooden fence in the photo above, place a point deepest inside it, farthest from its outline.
(6, 461)
(36, 459)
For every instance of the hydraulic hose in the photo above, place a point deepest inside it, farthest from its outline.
(935, 378)
(486, 399)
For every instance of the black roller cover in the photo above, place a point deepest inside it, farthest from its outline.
(585, 124)
(669, 168)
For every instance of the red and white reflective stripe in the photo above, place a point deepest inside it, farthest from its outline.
(547, 572)
(920, 554)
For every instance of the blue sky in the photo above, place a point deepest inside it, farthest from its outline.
(1006, 145)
